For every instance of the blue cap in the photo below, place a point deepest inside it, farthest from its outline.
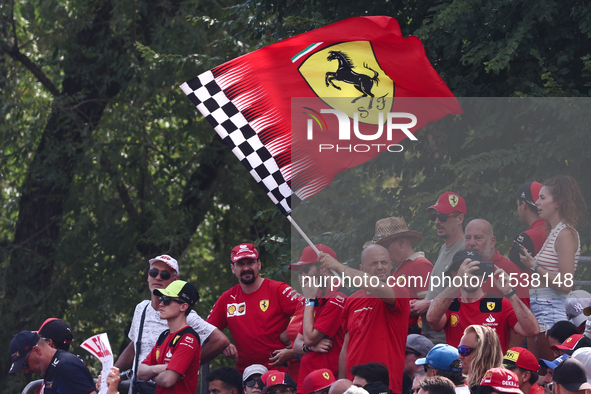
(441, 357)
(21, 345)
(552, 364)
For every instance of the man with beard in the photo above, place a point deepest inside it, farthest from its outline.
(448, 216)
(256, 311)
(454, 315)
(480, 237)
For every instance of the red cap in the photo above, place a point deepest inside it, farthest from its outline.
(572, 343)
(274, 378)
(309, 256)
(244, 251)
(522, 358)
(318, 380)
(449, 202)
(501, 379)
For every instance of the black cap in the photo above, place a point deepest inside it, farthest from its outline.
(462, 255)
(529, 192)
(20, 346)
(180, 289)
(571, 375)
(58, 331)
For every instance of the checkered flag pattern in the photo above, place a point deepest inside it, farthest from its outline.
(236, 131)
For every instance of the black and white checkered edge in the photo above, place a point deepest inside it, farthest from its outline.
(235, 131)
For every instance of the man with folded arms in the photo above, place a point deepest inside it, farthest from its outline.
(173, 363)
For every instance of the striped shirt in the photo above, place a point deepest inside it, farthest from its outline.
(548, 258)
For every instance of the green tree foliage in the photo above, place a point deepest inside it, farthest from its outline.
(104, 163)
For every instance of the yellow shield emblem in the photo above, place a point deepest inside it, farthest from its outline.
(347, 77)
(157, 354)
(454, 319)
(325, 375)
(490, 305)
(264, 304)
(453, 200)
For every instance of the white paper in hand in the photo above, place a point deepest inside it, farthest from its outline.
(100, 347)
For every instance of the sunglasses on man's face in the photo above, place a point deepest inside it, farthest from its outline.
(251, 382)
(26, 363)
(165, 275)
(442, 216)
(465, 350)
(167, 300)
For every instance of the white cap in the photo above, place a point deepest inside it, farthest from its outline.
(584, 356)
(253, 369)
(166, 259)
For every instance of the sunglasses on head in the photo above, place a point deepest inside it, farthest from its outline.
(465, 350)
(442, 216)
(165, 275)
(166, 300)
(252, 382)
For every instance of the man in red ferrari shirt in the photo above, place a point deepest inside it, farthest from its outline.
(375, 319)
(473, 306)
(173, 363)
(322, 315)
(256, 311)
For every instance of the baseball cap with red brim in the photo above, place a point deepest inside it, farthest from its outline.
(573, 343)
(318, 380)
(309, 256)
(501, 380)
(244, 251)
(449, 202)
(166, 259)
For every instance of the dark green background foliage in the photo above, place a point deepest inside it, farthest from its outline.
(104, 163)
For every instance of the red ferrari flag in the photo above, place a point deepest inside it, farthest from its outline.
(298, 112)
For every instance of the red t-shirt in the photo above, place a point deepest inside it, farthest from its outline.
(536, 389)
(293, 328)
(496, 313)
(183, 356)
(256, 320)
(510, 268)
(327, 319)
(377, 332)
(421, 267)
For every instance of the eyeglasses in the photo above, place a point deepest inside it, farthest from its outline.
(465, 350)
(285, 390)
(166, 301)
(165, 275)
(442, 216)
(252, 382)
(26, 363)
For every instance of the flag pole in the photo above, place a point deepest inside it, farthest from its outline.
(303, 234)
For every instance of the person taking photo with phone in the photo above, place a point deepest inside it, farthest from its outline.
(454, 312)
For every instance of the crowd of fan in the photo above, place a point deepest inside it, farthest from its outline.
(516, 328)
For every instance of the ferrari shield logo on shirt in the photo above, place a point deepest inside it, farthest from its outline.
(157, 354)
(490, 305)
(264, 304)
(453, 200)
(350, 70)
(236, 309)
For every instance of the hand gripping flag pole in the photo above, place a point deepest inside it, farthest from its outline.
(261, 103)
